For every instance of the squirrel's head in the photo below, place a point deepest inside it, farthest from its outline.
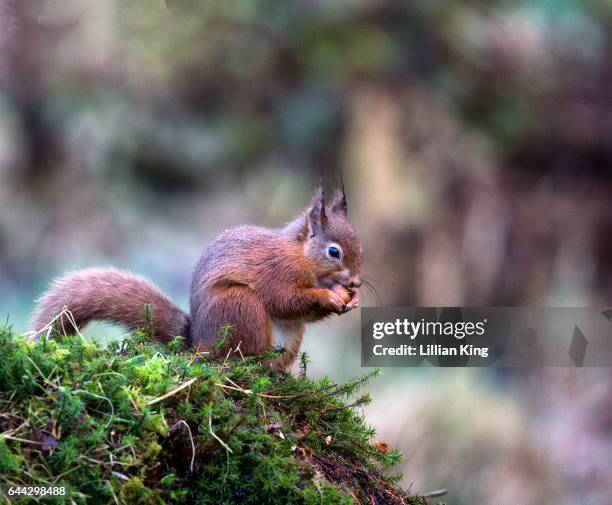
(330, 242)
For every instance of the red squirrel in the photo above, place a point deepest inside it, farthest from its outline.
(265, 283)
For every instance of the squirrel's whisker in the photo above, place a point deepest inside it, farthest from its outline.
(384, 277)
(372, 289)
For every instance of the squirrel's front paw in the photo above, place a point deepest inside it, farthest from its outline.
(335, 303)
(354, 303)
(350, 297)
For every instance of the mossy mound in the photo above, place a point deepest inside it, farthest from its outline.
(143, 423)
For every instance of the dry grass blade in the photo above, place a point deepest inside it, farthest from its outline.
(172, 392)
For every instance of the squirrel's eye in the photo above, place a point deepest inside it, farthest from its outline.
(333, 251)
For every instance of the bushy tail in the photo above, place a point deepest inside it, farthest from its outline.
(106, 294)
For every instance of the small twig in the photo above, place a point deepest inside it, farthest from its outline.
(227, 448)
(193, 449)
(249, 392)
(114, 495)
(171, 393)
(225, 386)
(435, 494)
(240, 352)
(17, 439)
(224, 364)
(196, 354)
(121, 476)
(102, 463)
(232, 382)
(10, 433)
(49, 326)
(61, 475)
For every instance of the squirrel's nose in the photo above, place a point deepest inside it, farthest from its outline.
(356, 281)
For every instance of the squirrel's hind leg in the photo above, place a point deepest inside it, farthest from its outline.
(287, 334)
(239, 307)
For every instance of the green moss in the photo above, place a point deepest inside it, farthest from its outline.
(143, 423)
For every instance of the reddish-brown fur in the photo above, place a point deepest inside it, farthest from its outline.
(106, 294)
(265, 283)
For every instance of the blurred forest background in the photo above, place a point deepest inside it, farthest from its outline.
(475, 140)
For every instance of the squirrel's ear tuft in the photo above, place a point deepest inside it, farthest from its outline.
(338, 204)
(316, 219)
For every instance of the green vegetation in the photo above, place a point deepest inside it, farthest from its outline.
(144, 423)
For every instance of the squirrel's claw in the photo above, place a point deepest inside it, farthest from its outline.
(335, 303)
(354, 303)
